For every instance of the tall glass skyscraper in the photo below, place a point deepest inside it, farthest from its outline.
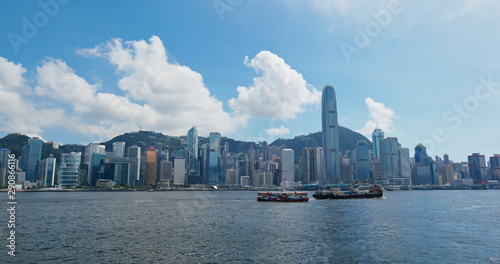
(193, 164)
(477, 168)
(362, 161)
(213, 158)
(329, 119)
(31, 156)
(377, 136)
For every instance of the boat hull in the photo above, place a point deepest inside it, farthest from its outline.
(283, 197)
(346, 196)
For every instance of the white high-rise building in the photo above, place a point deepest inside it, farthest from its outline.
(93, 149)
(287, 165)
(179, 171)
(119, 149)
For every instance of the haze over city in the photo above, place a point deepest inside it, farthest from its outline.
(425, 72)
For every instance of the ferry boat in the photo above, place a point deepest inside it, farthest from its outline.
(283, 196)
(336, 193)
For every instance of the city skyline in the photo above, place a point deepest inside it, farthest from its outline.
(417, 76)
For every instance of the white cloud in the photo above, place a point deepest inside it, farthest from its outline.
(379, 114)
(18, 113)
(172, 95)
(277, 131)
(280, 92)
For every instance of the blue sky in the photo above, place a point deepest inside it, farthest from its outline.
(85, 71)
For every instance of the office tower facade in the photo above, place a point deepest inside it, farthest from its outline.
(389, 157)
(420, 154)
(179, 171)
(31, 155)
(193, 164)
(362, 161)
(345, 169)
(446, 159)
(445, 175)
(165, 171)
(213, 158)
(377, 136)
(4, 157)
(48, 170)
(287, 165)
(477, 168)
(312, 164)
(151, 167)
(242, 166)
(404, 164)
(330, 131)
(96, 168)
(69, 168)
(134, 156)
(495, 167)
(93, 149)
(119, 149)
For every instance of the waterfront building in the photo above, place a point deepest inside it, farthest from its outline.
(4, 157)
(345, 169)
(445, 175)
(395, 162)
(495, 167)
(69, 168)
(93, 149)
(330, 134)
(287, 165)
(478, 169)
(96, 168)
(119, 149)
(48, 170)
(420, 154)
(362, 161)
(134, 157)
(376, 169)
(193, 164)
(151, 167)
(31, 155)
(165, 171)
(213, 158)
(312, 164)
(245, 181)
(242, 166)
(179, 171)
(377, 136)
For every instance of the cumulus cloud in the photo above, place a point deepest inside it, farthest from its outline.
(379, 114)
(154, 92)
(277, 131)
(279, 92)
(18, 113)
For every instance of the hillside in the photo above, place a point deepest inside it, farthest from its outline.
(144, 139)
(347, 141)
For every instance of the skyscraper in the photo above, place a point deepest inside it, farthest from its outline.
(495, 167)
(477, 168)
(420, 154)
(93, 149)
(31, 155)
(151, 166)
(287, 168)
(48, 170)
(193, 165)
(69, 167)
(330, 131)
(119, 149)
(134, 155)
(213, 159)
(377, 136)
(362, 161)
